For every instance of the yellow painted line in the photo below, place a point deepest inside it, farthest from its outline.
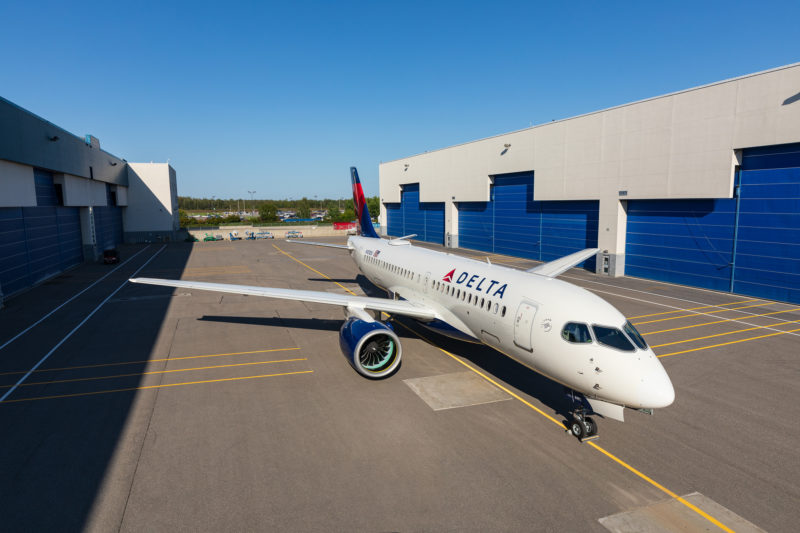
(290, 256)
(153, 387)
(150, 361)
(598, 448)
(731, 342)
(97, 378)
(662, 488)
(558, 423)
(726, 333)
(700, 314)
(718, 322)
(693, 309)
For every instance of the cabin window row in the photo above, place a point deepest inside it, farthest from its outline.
(464, 296)
(406, 273)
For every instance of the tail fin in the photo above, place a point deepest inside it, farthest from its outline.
(360, 203)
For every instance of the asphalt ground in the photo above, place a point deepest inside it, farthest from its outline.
(158, 409)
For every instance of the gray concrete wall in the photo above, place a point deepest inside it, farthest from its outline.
(31, 140)
(309, 232)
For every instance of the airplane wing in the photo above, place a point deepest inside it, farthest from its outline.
(400, 307)
(312, 243)
(554, 268)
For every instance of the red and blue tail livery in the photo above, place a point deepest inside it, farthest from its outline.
(360, 203)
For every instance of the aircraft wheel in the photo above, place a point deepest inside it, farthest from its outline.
(591, 426)
(578, 428)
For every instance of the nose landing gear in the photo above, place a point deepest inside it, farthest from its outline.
(581, 425)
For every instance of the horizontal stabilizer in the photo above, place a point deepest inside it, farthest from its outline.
(554, 268)
(326, 244)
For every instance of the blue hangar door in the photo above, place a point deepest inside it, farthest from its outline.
(38, 242)
(749, 244)
(411, 216)
(511, 223)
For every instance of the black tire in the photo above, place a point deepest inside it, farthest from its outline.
(591, 426)
(578, 428)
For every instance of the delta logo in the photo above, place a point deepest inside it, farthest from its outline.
(477, 282)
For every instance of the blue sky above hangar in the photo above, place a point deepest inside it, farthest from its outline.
(282, 98)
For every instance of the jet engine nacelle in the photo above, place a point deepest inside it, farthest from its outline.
(372, 348)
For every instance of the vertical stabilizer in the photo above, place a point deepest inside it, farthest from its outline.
(360, 203)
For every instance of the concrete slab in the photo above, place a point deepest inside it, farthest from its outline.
(672, 516)
(459, 389)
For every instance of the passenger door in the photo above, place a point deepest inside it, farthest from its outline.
(523, 325)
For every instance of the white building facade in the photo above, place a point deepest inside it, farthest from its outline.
(700, 187)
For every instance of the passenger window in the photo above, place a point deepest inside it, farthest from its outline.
(481, 302)
(495, 308)
(613, 338)
(575, 332)
(503, 312)
(635, 336)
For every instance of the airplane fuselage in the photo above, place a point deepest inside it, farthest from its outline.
(525, 316)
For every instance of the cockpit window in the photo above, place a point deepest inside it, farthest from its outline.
(635, 336)
(613, 338)
(575, 332)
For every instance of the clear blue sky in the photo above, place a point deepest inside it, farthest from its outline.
(283, 97)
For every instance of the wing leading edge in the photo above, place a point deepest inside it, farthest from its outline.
(400, 307)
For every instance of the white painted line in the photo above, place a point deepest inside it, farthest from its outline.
(23, 332)
(68, 335)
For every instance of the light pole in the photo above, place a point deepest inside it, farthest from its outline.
(251, 199)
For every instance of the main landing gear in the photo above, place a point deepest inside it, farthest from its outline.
(581, 425)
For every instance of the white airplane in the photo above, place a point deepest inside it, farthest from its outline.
(557, 329)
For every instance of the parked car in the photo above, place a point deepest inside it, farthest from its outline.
(209, 238)
(111, 256)
(294, 234)
(265, 235)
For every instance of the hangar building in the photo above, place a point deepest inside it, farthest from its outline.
(699, 187)
(63, 200)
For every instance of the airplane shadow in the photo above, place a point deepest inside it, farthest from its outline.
(522, 378)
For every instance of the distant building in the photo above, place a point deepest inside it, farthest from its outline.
(63, 200)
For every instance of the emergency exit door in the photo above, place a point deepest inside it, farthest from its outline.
(523, 325)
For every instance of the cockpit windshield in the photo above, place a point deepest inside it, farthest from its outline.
(635, 336)
(613, 338)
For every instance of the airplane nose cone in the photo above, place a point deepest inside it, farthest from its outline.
(655, 390)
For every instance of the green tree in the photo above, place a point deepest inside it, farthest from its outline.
(304, 208)
(185, 219)
(374, 206)
(268, 213)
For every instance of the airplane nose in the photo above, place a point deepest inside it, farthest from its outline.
(655, 390)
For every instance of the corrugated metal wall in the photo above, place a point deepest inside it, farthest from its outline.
(513, 224)
(410, 216)
(38, 242)
(108, 223)
(749, 244)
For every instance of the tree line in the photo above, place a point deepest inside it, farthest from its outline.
(339, 210)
